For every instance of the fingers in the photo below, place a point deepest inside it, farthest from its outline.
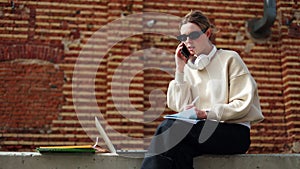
(180, 59)
(178, 53)
(201, 114)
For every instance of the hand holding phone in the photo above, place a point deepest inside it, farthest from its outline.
(185, 52)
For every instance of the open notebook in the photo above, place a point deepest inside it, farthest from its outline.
(90, 148)
(109, 144)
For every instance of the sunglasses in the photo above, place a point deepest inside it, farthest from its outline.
(193, 35)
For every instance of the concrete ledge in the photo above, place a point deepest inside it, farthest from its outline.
(31, 160)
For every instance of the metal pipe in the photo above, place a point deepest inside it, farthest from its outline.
(261, 28)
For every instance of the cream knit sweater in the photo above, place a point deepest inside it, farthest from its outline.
(226, 88)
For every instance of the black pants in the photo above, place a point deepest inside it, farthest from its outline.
(176, 151)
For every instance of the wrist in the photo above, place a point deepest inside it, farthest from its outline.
(179, 77)
(180, 69)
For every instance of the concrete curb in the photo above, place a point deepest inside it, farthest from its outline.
(32, 160)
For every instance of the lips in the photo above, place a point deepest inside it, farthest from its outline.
(191, 49)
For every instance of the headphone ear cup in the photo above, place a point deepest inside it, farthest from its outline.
(202, 62)
(192, 65)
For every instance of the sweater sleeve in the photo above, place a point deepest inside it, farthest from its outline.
(179, 93)
(242, 92)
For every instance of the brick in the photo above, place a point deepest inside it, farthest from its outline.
(57, 31)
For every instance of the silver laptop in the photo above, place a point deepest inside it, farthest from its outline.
(111, 147)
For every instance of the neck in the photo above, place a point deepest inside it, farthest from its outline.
(207, 50)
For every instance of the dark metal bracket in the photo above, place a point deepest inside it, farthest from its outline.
(261, 28)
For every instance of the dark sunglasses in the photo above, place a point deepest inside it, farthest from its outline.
(193, 35)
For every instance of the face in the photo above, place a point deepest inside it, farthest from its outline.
(199, 45)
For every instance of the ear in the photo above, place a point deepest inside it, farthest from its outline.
(208, 33)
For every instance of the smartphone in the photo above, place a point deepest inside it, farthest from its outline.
(185, 52)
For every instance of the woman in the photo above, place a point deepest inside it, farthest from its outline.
(227, 106)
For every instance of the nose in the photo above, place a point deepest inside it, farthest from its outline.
(188, 39)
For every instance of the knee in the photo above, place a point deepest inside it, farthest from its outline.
(164, 125)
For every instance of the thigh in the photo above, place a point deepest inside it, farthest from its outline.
(169, 134)
(226, 139)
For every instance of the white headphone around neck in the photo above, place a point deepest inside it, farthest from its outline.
(202, 60)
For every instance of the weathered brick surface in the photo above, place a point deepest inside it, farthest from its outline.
(36, 93)
(31, 98)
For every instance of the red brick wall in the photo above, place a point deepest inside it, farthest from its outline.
(49, 37)
(31, 98)
(290, 72)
